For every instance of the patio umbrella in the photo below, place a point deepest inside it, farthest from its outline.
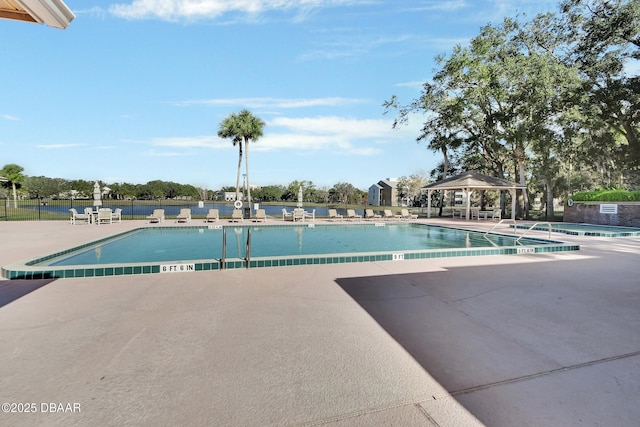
(97, 197)
(300, 196)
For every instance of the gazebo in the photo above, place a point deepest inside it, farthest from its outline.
(471, 181)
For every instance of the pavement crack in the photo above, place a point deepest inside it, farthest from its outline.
(543, 373)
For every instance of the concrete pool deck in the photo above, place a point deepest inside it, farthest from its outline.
(527, 340)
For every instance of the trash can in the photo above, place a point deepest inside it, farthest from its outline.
(247, 212)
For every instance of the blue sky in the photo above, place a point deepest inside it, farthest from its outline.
(135, 90)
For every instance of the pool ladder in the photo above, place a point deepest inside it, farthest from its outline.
(247, 259)
(515, 227)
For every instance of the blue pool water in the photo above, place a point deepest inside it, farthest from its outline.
(196, 243)
(176, 249)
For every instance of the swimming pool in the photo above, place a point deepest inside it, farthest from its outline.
(179, 249)
(582, 229)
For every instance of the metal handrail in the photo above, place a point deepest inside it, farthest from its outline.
(224, 248)
(500, 222)
(532, 227)
(248, 249)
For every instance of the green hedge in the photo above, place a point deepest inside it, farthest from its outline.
(607, 196)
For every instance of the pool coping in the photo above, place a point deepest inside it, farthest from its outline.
(28, 270)
(543, 227)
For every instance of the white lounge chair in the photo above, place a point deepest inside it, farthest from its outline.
(388, 215)
(156, 216)
(352, 215)
(212, 216)
(311, 215)
(184, 215)
(405, 214)
(236, 216)
(369, 215)
(298, 214)
(117, 215)
(75, 216)
(261, 215)
(104, 216)
(333, 215)
(286, 214)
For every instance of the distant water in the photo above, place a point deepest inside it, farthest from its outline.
(129, 210)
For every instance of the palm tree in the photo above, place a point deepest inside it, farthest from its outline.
(13, 173)
(242, 128)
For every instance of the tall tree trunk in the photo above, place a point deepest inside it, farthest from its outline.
(239, 166)
(520, 156)
(549, 212)
(246, 164)
(445, 172)
(15, 195)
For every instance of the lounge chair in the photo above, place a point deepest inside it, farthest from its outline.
(298, 214)
(286, 214)
(212, 216)
(236, 216)
(404, 214)
(104, 216)
(351, 215)
(333, 215)
(156, 216)
(369, 215)
(388, 215)
(311, 215)
(117, 215)
(184, 215)
(75, 216)
(261, 215)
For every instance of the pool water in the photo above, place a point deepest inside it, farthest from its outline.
(151, 249)
(181, 244)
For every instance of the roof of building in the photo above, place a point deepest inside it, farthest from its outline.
(54, 13)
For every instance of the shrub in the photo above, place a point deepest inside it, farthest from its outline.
(607, 196)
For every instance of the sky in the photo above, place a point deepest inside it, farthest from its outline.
(135, 90)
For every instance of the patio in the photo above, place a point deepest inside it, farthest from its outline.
(503, 340)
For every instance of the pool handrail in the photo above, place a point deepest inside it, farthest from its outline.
(248, 248)
(224, 248)
(500, 222)
(534, 226)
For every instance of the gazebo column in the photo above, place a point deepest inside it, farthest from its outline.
(429, 192)
(468, 191)
(513, 203)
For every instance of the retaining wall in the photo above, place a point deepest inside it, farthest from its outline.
(627, 213)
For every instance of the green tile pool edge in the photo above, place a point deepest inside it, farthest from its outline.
(32, 273)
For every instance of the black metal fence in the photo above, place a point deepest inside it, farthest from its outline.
(58, 209)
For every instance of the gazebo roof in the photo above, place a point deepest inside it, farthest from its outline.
(474, 180)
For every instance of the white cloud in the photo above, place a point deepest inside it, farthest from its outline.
(10, 117)
(172, 10)
(276, 102)
(451, 5)
(190, 142)
(339, 135)
(58, 146)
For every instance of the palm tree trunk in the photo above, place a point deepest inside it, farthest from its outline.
(15, 195)
(246, 164)
(239, 166)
